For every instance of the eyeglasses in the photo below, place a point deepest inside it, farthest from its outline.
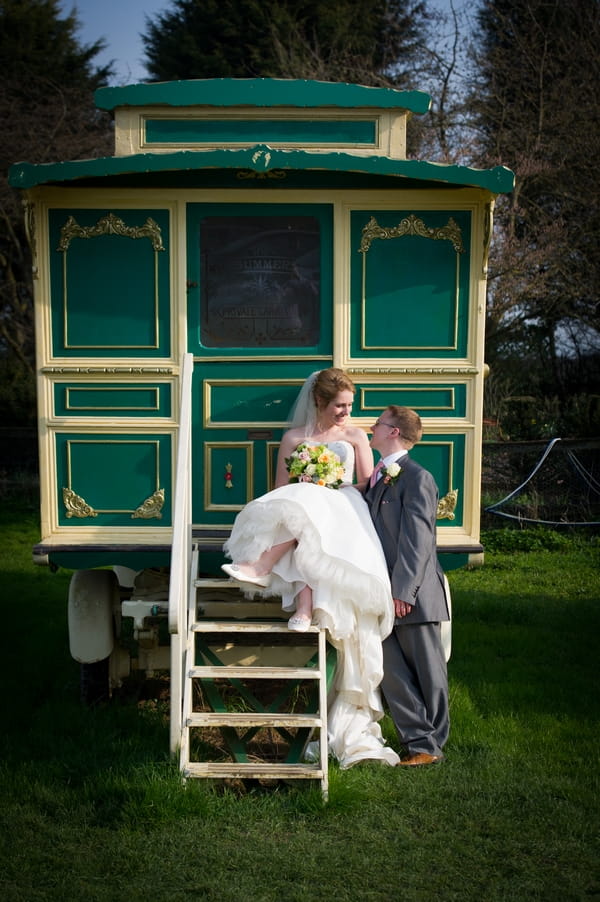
(381, 423)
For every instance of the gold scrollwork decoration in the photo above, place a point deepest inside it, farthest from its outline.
(151, 507)
(412, 225)
(110, 370)
(411, 370)
(447, 505)
(76, 506)
(110, 225)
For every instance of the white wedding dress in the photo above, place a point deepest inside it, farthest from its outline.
(338, 554)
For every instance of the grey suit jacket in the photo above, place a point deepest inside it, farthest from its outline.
(404, 515)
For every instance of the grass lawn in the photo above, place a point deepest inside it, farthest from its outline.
(92, 808)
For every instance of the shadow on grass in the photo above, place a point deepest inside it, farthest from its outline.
(521, 651)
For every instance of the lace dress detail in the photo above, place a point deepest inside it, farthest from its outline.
(338, 554)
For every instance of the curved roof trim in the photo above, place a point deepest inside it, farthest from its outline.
(261, 158)
(260, 92)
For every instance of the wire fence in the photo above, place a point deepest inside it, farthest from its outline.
(550, 483)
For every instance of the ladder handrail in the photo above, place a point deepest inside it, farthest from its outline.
(182, 508)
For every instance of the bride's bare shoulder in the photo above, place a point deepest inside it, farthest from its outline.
(293, 437)
(356, 436)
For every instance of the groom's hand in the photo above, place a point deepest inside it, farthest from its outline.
(402, 608)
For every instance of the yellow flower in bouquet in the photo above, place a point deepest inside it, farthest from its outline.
(316, 464)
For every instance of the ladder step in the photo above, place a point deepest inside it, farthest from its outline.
(246, 626)
(252, 719)
(246, 672)
(252, 771)
(212, 582)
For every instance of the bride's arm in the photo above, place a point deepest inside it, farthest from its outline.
(288, 444)
(363, 456)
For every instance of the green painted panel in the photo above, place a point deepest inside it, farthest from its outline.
(248, 404)
(439, 400)
(272, 131)
(444, 457)
(260, 279)
(254, 401)
(410, 283)
(451, 561)
(115, 400)
(109, 478)
(229, 474)
(110, 286)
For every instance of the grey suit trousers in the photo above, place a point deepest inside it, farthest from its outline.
(415, 686)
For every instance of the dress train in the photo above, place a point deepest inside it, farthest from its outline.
(338, 554)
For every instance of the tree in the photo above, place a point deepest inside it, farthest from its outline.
(536, 108)
(369, 41)
(46, 96)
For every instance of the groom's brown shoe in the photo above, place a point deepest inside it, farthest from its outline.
(419, 759)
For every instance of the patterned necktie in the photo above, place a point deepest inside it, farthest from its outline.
(375, 474)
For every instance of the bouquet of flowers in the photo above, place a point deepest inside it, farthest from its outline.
(317, 464)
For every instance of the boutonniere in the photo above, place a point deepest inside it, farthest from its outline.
(391, 473)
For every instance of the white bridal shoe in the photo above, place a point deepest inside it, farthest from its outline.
(300, 623)
(236, 572)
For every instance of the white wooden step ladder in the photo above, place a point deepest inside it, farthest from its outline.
(209, 621)
(234, 644)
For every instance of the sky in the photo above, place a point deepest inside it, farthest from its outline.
(120, 23)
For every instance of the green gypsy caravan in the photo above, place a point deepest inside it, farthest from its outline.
(244, 234)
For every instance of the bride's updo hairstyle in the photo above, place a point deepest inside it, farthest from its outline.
(328, 384)
(318, 391)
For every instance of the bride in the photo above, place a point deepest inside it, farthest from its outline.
(317, 549)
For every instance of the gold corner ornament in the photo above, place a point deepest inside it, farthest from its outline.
(447, 505)
(412, 225)
(151, 507)
(110, 225)
(76, 506)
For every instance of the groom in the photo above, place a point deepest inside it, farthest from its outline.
(402, 498)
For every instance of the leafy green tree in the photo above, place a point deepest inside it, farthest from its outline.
(368, 41)
(46, 101)
(536, 108)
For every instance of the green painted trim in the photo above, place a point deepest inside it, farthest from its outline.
(84, 560)
(319, 132)
(261, 92)
(261, 158)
